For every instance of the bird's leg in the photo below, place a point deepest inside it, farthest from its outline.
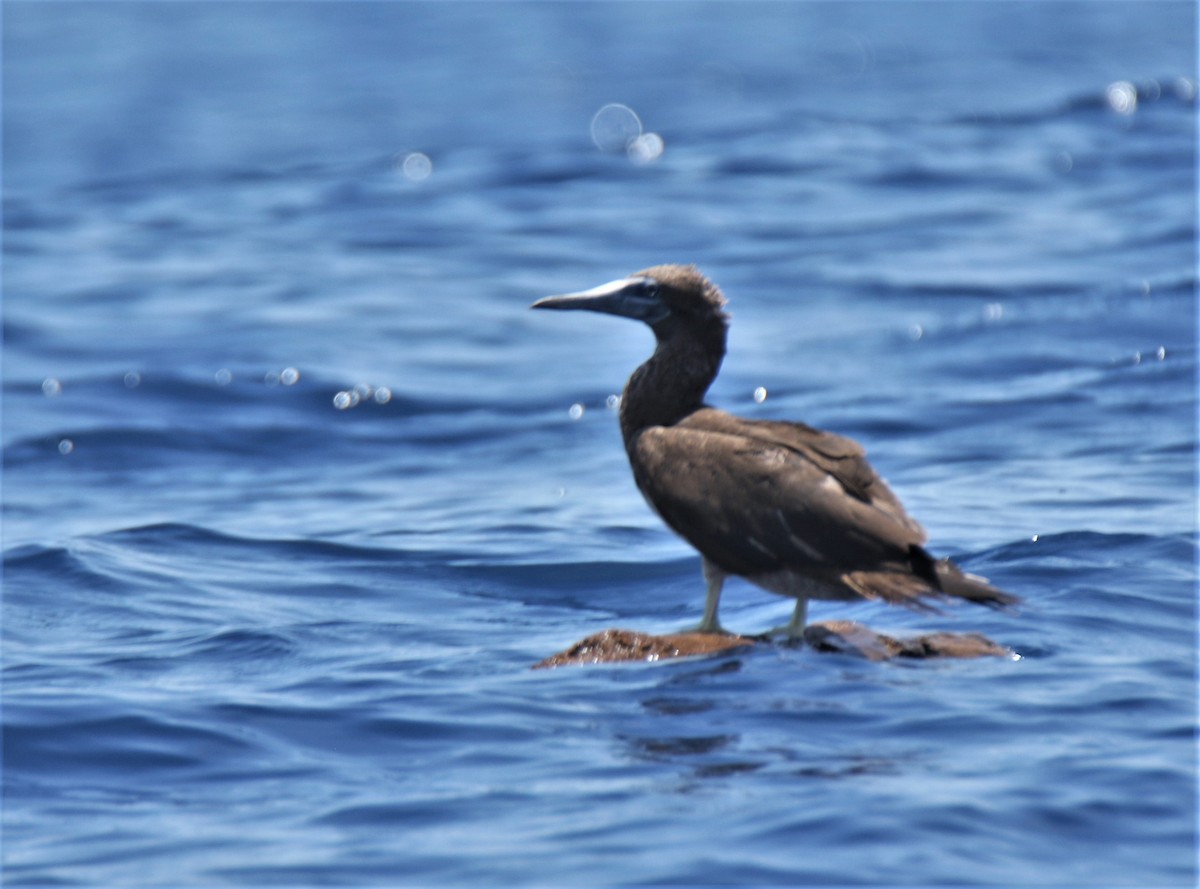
(714, 579)
(794, 628)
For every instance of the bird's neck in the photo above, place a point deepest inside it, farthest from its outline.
(672, 383)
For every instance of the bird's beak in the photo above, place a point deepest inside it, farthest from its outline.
(635, 297)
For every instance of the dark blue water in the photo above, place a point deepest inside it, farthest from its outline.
(263, 627)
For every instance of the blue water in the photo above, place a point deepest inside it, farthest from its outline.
(263, 627)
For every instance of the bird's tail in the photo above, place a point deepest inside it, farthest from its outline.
(955, 582)
(924, 579)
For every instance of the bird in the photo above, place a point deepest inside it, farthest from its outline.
(790, 508)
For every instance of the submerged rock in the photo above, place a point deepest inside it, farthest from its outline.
(848, 637)
(840, 636)
(614, 646)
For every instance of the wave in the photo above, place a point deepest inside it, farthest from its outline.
(100, 738)
(1096, 547)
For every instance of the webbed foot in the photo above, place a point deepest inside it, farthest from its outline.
(710, 626)
(794, 628)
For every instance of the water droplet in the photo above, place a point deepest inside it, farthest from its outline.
(416, 166)
(916, 331)
(66, 446)
(993, 312)
(646, 149)
(289, 376)
(362, 391)
(1137, 357)
(133, 379)
(224, 376)
(760, 394)
(615, 127)
(613, 402)
(271, 378)
(51, 387)
(345, 400)
(576, 411)
(1161, 354)
(1122, 97)
(1185, 89)
(383, 395)
(1034, 538)
(1146, 288)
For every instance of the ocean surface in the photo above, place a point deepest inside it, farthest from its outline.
(296, 489)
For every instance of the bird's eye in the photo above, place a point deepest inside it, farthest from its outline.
(649, 287)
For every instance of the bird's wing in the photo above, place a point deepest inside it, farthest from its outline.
(754, 505)
(842, 458)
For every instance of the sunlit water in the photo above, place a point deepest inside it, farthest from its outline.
(296, 489)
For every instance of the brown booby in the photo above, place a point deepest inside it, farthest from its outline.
(792, 509)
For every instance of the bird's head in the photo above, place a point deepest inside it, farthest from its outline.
(666, 297)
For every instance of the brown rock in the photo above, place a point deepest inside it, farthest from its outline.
(960, 645)
(842, 636)
(614, 646)
(848, 637)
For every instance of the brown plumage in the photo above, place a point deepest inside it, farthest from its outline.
(795, 510)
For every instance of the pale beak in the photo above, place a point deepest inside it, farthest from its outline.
(628, 297)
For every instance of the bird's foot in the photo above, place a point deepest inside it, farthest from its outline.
(794, 628)
(710, 626)
(792, 634)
